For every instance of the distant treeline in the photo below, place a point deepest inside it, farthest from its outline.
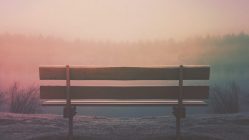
(20, 55)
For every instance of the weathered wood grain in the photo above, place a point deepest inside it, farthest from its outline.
(124, 73)
(124, 92)
(151, 102)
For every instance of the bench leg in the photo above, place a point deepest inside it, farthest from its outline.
(69, 113)
(178, 127)
(70, 128)
(179, 112)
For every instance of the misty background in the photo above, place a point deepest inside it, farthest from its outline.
(227, 55)
(125, 33)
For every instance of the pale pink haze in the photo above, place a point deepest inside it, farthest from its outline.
(29, 32)
(122, 20)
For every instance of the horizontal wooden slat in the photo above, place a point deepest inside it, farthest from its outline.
(124, 73)
(124, 102)
(131, 92)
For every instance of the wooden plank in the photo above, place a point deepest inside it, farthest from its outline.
(117, 92)
(124, 102)
(124, 73)
(52, 73)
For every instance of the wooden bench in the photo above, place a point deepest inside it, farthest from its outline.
(177, 96)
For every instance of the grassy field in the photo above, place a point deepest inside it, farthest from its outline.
(194, 127)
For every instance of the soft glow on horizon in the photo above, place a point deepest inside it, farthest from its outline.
(122, 20)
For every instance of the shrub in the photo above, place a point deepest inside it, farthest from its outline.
(224, 99)
(24, 100)
(2, 98)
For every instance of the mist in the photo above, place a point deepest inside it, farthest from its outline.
(227, 56)
(21, 55)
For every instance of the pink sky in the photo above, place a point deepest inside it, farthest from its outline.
(124, 19)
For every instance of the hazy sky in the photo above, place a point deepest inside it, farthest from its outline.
(124, 19)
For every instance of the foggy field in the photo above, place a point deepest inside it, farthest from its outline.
(227, 56)
(54, 127)
(211, 35)
(21, 55)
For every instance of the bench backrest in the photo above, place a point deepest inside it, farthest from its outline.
(124, 73)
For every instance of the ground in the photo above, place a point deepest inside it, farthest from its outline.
(194, 127)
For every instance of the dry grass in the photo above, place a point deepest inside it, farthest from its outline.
(24, 100)
(54, 127)
(2, 98)
(224, 99)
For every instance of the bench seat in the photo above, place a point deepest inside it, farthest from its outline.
(176, 96)
(111, 102)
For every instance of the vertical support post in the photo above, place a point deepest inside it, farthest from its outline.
(179, 106)
(68, 105)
